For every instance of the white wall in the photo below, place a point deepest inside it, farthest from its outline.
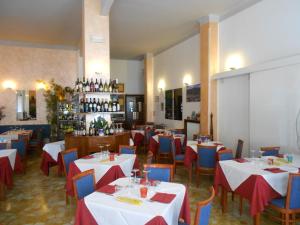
(129, 72)
(265, 31)
(171, 66)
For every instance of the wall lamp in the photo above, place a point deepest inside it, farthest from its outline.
(9, 84)
(187, 80)
(161, 85)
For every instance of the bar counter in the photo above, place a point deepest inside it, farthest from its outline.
(89, 144)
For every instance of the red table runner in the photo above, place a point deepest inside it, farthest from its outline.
(84, 217)
(48, 161)
(6, 171)
(114, 173)
(256, 189)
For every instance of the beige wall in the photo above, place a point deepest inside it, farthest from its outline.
(25, 65)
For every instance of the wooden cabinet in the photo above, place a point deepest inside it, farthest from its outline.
(89, 144)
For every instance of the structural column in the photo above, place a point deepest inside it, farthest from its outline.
(208, 66)
(149, 98)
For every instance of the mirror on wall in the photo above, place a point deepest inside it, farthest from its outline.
(26, 105)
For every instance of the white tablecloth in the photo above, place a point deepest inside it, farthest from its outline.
(193, 145)
(11, 154)
(54, 148)
(13, 135)
(107, 210)
(236, 173)
(125, 161)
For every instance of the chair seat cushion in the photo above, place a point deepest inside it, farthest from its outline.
(279, 202)
(179, 157)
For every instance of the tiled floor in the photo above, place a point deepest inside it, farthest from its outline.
(37, 199)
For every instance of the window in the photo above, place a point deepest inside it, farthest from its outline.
(173, 104)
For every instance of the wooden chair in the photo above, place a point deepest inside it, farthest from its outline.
(224, 155)
(270, 151)
(164, 147)
(127, 149)
(84, 184)
(149, 159)
(177, 158)
(206, 162)
(288, 206)
(68, 156)
(203, 210)
(36, 142)
(161, 172)
(3, 145)
(239, 149)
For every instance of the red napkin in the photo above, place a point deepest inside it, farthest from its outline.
(107, 189)
(163, 197)
(275, 170)
(241, 160)
(88, 157)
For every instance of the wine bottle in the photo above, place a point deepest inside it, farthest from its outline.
(81, 106)
(83, 85)
(118, 106)
(80, 86)
(76, 85)
(90, 105)
(114, 106)
(96, 86)
(86, 105)
(111, 129)
(94, 105)
(87, 86)
(105, 89)
(116, 86)
(105, 106)
(101, 86)
(98, 106)
(102, 106)
(92, 86)
(109, 106)
(110, 86)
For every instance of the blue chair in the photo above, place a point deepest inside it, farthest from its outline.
(84, 184)
(177, 158)
(206, 162)
(35, 142)
(177, 131)
(148, 134)
(127, 149)
(68, 156)
(164, 147)
(224, 155)
(161, 172)
(270, 151)
(3, 146)
(288, 206)
(203, 211)
(20, 145)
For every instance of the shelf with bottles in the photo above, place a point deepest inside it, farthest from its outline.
(105, 105)
(97, 113)
(103, 86)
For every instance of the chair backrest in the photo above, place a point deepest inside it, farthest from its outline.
(127, 149)
(203, 210)
(148, 133)
(68, 156)
(3, 145)
(84, 184)
(161, 172)
(293, 192)
(177, 131)
(164, 143)
(20, 145)
(173, 149)
(239, 149)
(207, 156)
(224, 155)
(270, 151)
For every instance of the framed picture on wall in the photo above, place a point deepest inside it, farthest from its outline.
(193, 93)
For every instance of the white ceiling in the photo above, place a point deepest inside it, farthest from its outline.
(136, 26)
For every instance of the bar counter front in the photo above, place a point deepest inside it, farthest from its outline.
(90, 144)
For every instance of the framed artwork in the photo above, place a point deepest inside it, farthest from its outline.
(193, 93)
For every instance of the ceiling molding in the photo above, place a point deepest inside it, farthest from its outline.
(105, 7)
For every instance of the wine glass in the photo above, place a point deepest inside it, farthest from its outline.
(101, 149)
(252, 153)
(134, 172)
(121, 128)
(146, 172)
(107, 149)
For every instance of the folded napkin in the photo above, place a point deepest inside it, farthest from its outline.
(241, 160)
(107, 189)
(163, 197)
(128, 200)
(275, 170)
(88, 157)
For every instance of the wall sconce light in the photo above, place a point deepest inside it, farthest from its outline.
(187, 79)
(161, 85)
(234, 62)
(41, 85)
(9, 84)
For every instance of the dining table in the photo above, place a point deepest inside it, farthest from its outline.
(14, 134)
(259, 180)
(51, 156)
(10, 162)
(106, 170)
(164, 204)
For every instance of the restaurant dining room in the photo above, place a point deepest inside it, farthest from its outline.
(149, 112)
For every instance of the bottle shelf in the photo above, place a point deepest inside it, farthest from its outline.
(99, 93)
(91, 113)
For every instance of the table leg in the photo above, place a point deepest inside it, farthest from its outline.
(256, 219)
(224, 200)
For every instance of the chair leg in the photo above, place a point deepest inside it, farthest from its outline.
(197, 178)
(232, 196)
(67, 199)
(286, 219)
(2, 191)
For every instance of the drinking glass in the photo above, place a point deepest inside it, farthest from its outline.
(135, 178)
(252, 153)
(146, 172)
